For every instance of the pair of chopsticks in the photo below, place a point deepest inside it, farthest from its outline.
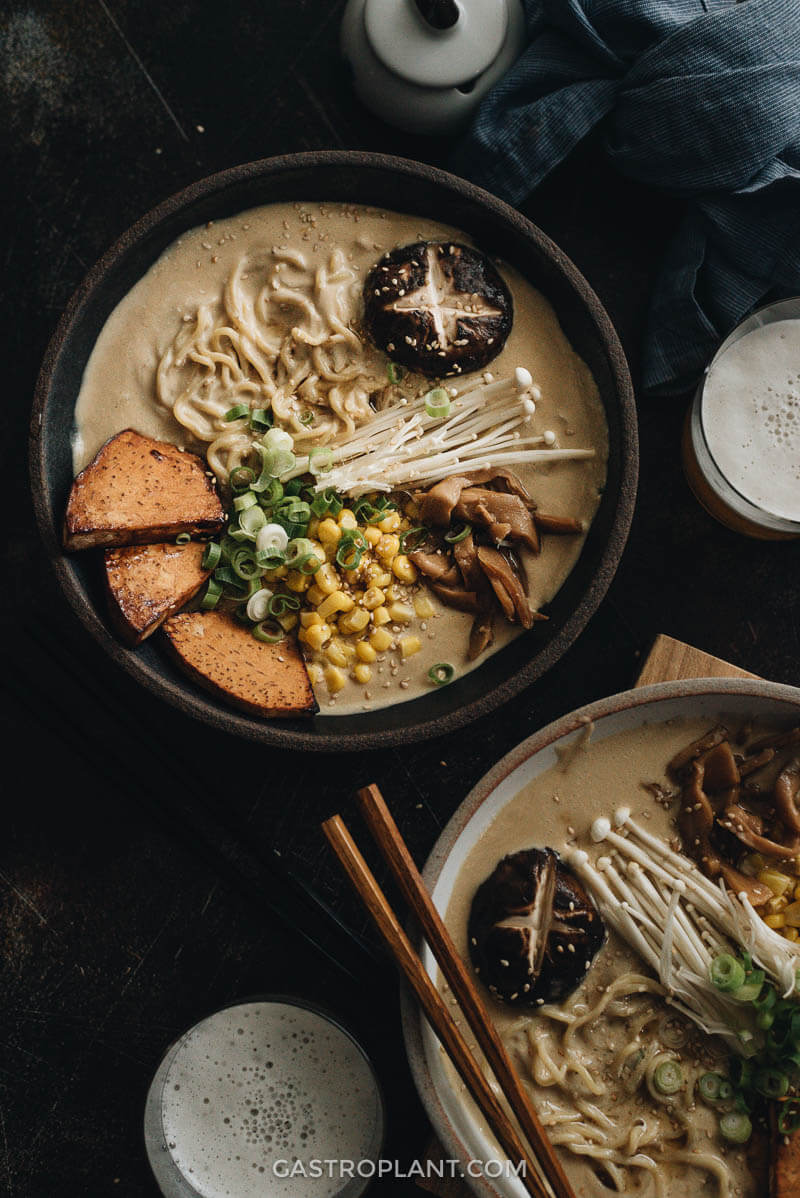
(542, 1161)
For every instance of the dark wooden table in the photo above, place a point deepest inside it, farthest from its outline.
(138, 883)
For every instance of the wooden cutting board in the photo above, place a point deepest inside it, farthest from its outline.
(667, 661)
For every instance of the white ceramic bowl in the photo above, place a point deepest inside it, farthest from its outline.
(455, 1124)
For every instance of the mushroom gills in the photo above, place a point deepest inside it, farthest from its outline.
(533, 929)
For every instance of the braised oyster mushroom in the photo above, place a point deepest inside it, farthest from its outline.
(533, 929)
(439, 308)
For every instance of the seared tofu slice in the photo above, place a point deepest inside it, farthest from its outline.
(147, 583)
(224, 657)
(785, 1165)
(137, 491)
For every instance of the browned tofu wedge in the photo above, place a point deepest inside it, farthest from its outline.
(224, 657)
(147, 583)
(137, 491)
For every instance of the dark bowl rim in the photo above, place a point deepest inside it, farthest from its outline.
(193, 702)
(640, 698)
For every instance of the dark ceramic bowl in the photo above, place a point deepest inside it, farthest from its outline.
(390, 183)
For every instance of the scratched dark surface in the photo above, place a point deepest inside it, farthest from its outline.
(143, 859)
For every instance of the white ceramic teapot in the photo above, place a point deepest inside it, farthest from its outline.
(424, 65)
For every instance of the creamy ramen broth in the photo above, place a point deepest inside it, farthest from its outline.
(119, 387)
(557, 809)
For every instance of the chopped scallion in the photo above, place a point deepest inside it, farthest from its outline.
(727, 973)
(735, 1127)
(458, 534)
(668, 1077)
(237, 412)
(441, 673)
(437, 403)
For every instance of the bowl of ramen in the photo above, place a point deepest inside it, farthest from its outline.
(624, 885)
(334, 450)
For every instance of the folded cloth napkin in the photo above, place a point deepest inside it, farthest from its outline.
(700, 97)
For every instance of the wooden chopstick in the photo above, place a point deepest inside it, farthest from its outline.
(431, 1000)
(394, 851)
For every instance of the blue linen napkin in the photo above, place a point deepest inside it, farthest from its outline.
(700, 97)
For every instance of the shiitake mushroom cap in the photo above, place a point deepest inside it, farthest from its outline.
(533, 930)
(439, 308)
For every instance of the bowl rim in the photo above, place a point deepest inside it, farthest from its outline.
(573, 721)
(193, 701)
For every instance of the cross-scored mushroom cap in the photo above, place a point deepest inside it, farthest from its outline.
(533, 929)
(439, 308)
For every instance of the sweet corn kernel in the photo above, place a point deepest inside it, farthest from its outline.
(365, 651)
(334, 679)
(791, 933)
(338, 601)
(326, 579)
(288, 621)
(372, 534)
(362, 673)
(315, 595)
(409, 645)
(380, 639)
(797, 892)
(395, 592)
(307, 618)
(775, 921)
(777, 882)
(315, 673)
(373, 597)
(274, 575)
(347, 519)
(335, 654)
(381, 616)
(316, 635)
(329, 532)
(404, 569)
(779, 903)
(297, 581)
(390, 522)
(792, 914)
(388, 547)
(354, 621)
(313, 526)
(401, 613)
(423, 607)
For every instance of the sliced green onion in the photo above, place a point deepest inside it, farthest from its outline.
(270, 559)
(348, 556)
(326, 502)
(751, 987)
(416, 537)
(709, 1086)
(258, 605)
(437, 403)
(242, 502)
(277, 440)
(293, 487)
(212, 596)
(726, 1091)
(272, 539)
(294, 510)
(727, 973)
(212, 556)
(441, 673)
(772, 1083)
(279, 461)
(395, 372)
(307, 418)
(668, 1077)
(183, 538)
(735, 1127)
(268, 632)
(280, 604)
(320, 460)
(297, 549)
(236, 412)
(260, 419)
(252, 520)
(244, 564)
(765, 1020)
(458, 534)
(241, 478)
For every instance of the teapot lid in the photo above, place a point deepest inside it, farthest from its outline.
(436, 43)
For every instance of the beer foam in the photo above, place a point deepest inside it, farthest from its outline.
(257, 1087)
(751, 417)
